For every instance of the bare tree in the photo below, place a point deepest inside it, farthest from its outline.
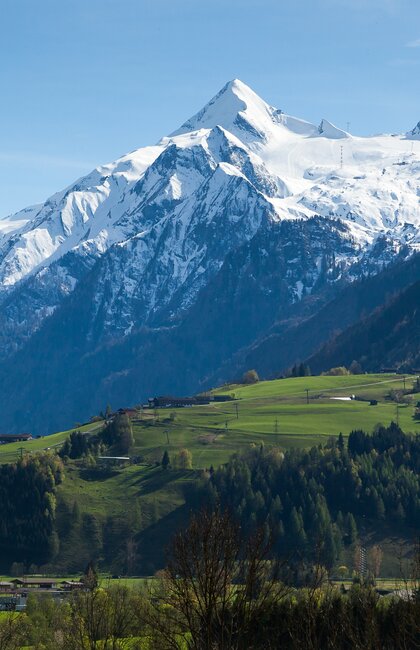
(375, 559)
(215, 587)
(101, 619)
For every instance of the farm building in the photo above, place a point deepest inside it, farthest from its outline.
(113, 460)
(169, 401)
(131, 413)
(14, 437)
(35, 583)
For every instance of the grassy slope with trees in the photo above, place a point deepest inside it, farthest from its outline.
(124, 516)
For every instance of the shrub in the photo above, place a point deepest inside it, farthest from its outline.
(339, 371)
(250, 377)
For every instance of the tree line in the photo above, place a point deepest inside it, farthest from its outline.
(116, 437)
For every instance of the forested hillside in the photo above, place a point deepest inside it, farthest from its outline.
(309, 501)
(28, 531)
(299, 337)
(389, 338)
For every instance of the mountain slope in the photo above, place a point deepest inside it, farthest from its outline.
(390, 338)
(293, 339)
(176, 256)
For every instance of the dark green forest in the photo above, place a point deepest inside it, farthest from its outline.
(27, 509)
(310, 501)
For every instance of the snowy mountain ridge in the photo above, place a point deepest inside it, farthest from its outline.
(157, 224)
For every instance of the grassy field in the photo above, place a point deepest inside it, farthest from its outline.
(291, 412)
(106, 495)
(279, 413)
(12, 451)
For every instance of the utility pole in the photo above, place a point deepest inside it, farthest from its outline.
(276, 430)
(20, 451)
(237, 410)
(307, 395)
(404, 381)
(167, 436)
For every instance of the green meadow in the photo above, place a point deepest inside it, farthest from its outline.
(294, 412)
(298, 412)
(10, 452)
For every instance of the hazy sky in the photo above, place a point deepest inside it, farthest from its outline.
(84, 81)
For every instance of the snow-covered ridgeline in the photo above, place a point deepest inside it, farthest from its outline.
(168, 215)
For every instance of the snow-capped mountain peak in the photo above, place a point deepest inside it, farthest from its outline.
(158, 223)
(237, 108)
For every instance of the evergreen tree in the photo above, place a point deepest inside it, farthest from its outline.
(329, 551)
(351, 529)
(297, 530)
(93, 533)
(165, 462)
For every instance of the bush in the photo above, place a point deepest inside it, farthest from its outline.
(183, 459)
(250, 377)
(339, 371)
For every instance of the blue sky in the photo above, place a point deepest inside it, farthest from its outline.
(84, 81)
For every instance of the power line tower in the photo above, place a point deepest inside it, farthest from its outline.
(348, 127)
(363, 561)
(341, 156)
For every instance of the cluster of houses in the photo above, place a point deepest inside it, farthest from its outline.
(14, 593)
